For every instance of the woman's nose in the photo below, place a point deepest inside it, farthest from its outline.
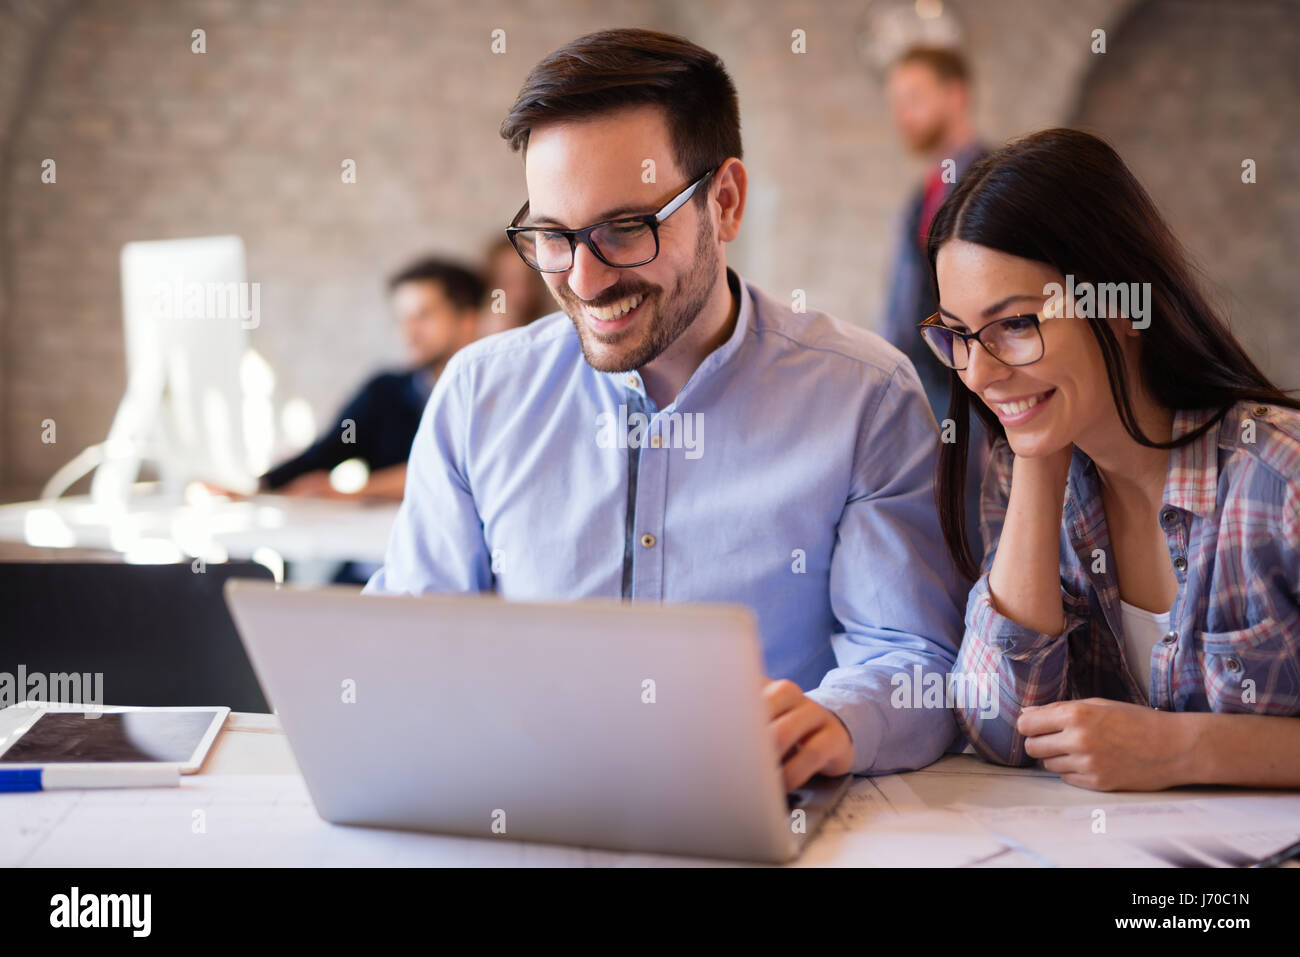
(981, 368)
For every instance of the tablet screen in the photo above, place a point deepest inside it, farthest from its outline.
(60, 737)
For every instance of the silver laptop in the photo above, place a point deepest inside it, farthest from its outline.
(594, 723)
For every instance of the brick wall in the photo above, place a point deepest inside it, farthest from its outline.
(1187, 92)
(153, 141)
(26, 30)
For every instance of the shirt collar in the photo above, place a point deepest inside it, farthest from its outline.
(715, 359)
(968, 155)
(1191, 483)
(423, 380)
(1193, 480)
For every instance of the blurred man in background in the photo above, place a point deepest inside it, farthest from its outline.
(930, 100)
(437, 304)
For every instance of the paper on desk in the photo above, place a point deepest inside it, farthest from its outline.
(868, 800)
(881, 822)
(1198, 832)
(910, 839)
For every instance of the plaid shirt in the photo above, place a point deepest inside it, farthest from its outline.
(1231, 518)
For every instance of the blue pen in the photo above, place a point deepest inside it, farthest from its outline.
(55, 777)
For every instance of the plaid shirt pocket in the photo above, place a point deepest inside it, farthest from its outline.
(1253, 670)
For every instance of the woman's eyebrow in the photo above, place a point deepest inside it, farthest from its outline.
(1003, 303)
(995, 308)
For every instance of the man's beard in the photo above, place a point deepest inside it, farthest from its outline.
(930, 138)
(678, 310)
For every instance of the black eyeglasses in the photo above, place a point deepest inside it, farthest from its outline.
(621, 243)
(1014, 341)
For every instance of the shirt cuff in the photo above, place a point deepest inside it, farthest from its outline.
(984, 623)
(861, 720)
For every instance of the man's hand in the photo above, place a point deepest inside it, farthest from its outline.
(386, 484)
(809, 738)
(1107, 745)
(312, 485)
(198, 489)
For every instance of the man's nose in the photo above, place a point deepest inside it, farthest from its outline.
(589, 277)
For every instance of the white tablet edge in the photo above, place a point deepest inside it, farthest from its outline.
(17, 726)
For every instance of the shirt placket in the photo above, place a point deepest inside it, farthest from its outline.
(643, 565)
(1176, 540)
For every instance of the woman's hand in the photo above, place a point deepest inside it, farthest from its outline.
(1106, 745)
(1025, 580)
(1047, 472)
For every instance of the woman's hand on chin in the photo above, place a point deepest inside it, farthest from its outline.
(1050, 469)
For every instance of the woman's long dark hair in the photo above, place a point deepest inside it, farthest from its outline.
(1065, 198)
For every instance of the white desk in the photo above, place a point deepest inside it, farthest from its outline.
(254, 811)
(298, 529)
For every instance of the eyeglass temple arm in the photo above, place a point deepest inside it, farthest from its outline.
(680, 201)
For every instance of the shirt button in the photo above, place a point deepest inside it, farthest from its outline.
(1259, 411)
(1170, 638)
(632, 381)
(655, 441)
(1180, 564)
(648, 540)
(1168, 516)
(1233, 665)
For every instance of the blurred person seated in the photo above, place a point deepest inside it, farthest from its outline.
(437, 303)
(522, 295)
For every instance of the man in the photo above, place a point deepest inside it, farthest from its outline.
(930, 99)
(436, 303)
(676, 434)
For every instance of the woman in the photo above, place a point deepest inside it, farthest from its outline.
(1137, 612)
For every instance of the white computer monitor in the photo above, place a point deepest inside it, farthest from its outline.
(187, 308)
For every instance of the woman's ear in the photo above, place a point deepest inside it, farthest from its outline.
(1123, 326)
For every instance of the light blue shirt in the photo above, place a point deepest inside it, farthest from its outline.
(793, 473)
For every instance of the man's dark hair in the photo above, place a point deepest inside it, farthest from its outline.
(463, 287)
(612, 69)
(947, 64)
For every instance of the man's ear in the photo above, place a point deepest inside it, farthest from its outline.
(732, 187)
(961, 96)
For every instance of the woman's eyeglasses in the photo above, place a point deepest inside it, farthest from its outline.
(622, 243)
(1014, 341)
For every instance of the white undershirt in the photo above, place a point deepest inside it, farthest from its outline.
(1142, 629)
